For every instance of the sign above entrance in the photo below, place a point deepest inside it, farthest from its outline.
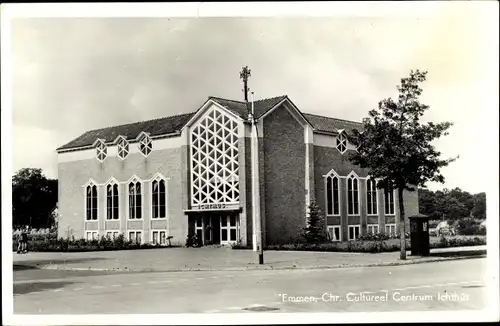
(215, 207)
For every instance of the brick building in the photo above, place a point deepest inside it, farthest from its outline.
(163, 177)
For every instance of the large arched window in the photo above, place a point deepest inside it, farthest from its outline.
(389, 200)
(134, 199)
(159, 198)
(332, 194)
(352, 195)
(371, 197)
(91, 202)
(112, 198)
(214, 156)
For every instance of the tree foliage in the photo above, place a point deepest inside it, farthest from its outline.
(452, 204)
(34, 198)
(396, 147)
(314, 231)
(479, 209)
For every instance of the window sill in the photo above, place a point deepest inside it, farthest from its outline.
(158, 218)
(135, 219)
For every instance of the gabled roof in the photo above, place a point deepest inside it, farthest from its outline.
(331, 125)
(130, 131)
(240, 108)
(174, 124)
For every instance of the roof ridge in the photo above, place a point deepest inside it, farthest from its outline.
(243, 102)
(323, 116)
(225, 99)
(142, 121)
(272, 98)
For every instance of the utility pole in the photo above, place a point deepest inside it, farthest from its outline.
(255, 187)
(256, 218)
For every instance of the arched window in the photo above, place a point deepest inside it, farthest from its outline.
(91, 202)
(112, 206)
(352, 195)
(101, 150)
(134, 200)
(371, 197)
(145, 145)
(341, 143)
(389, 200)
(159, 198)
(332, 194)
(123, 148)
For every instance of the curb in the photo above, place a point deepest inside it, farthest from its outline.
(267, 267)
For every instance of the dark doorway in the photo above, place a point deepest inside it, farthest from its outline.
(216, 228)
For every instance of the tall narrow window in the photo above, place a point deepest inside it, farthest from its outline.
(91, 199)
(145, 145)
(102, 150)
(389, 200)
(123, 148)
(159, 199)
(352, 195)
(371, 197)
(332, 195)
(134, 200)
(341, 143)
(112, 211)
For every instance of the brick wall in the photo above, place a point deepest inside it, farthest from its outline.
(74, 174)
(284, 171)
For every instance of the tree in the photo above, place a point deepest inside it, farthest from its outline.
(451, 204)
(396, 147)
(34, 198)
(465, 198)
(314, 231)
(427, 204)
(479, 208)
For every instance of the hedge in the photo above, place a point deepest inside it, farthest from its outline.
(374, 246)
(50, 243)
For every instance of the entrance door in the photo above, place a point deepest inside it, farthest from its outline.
(229, 231)
(198, 227)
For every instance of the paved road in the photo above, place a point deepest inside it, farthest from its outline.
(450, 285)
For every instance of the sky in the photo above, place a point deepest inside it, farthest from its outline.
(70, 75)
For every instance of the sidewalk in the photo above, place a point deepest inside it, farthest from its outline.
(213, 259)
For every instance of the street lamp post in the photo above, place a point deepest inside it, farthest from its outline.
(255, 187)
(256, 218)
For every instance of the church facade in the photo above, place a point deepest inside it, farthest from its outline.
(168, 177)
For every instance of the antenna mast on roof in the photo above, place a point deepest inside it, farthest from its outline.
(244, 74)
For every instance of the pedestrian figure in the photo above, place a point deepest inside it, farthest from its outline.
(19, 240)
(24, 240)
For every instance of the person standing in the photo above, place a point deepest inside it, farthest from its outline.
(24, 238)
(19, 240)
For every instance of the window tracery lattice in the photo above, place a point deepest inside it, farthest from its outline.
(214, 160)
